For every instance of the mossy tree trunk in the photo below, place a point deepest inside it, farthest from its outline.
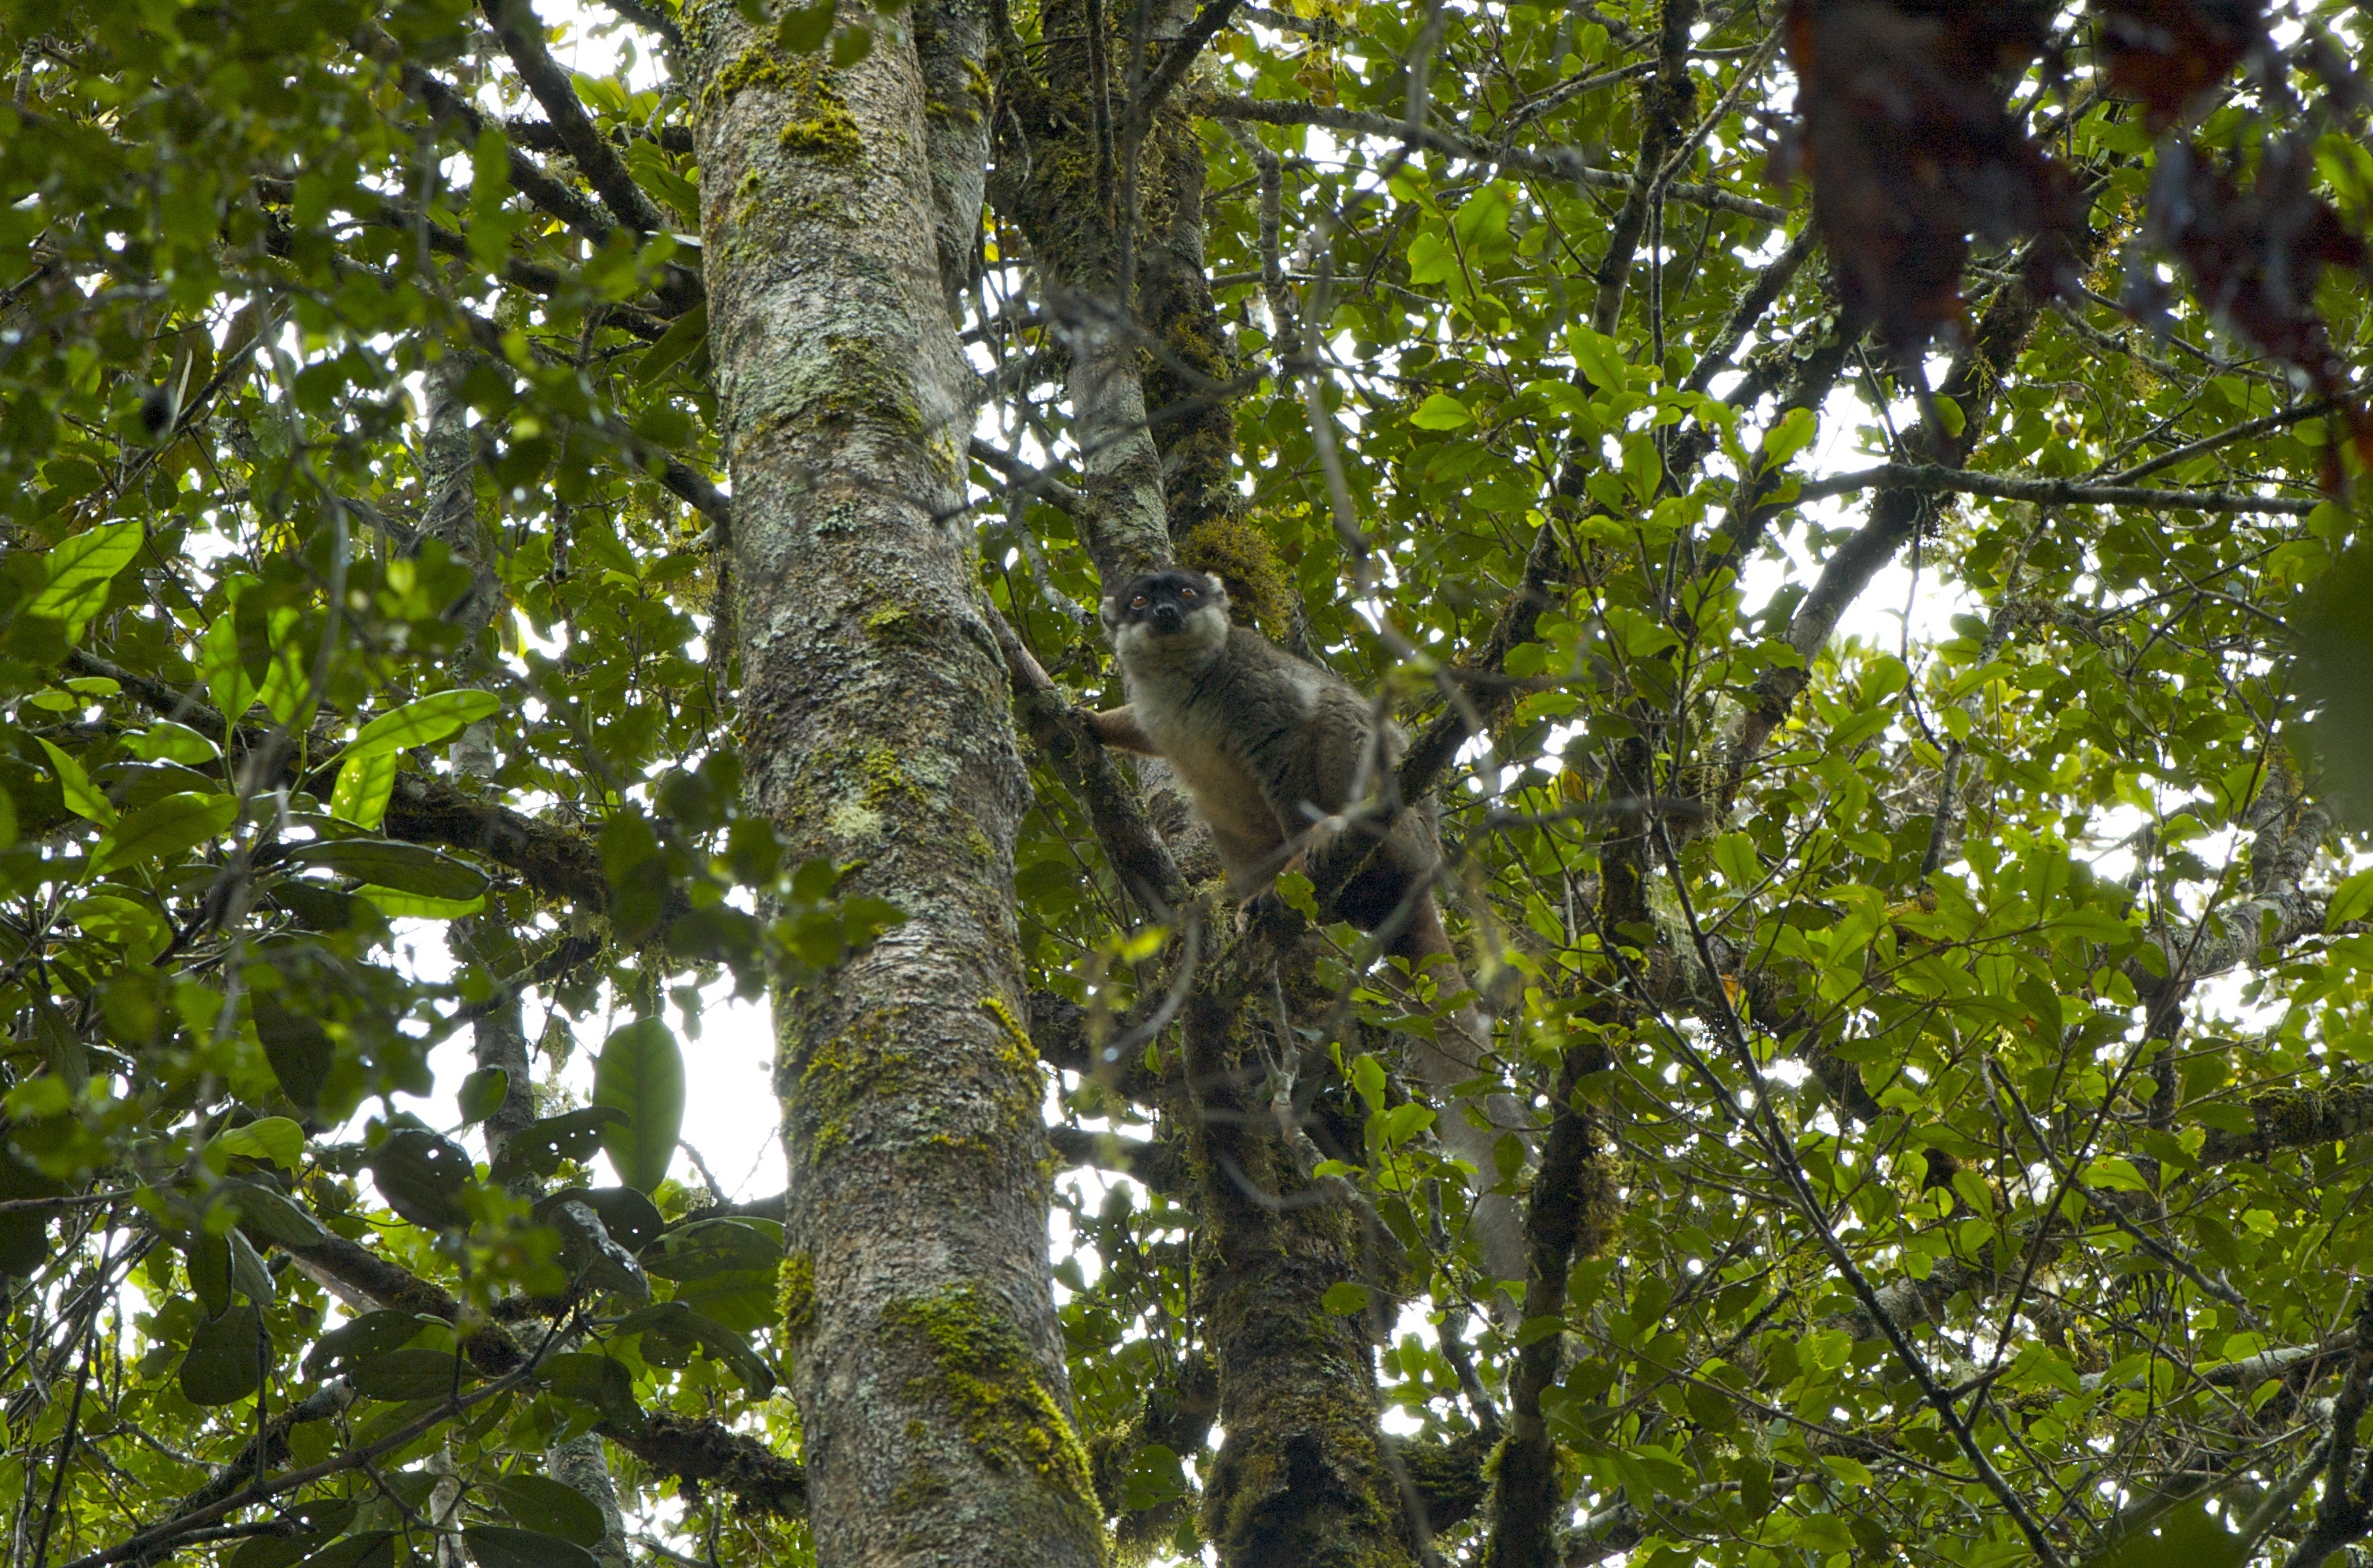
(1303, 1477)
(927, 1364)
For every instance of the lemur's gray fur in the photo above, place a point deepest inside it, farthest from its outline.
(1275, 750)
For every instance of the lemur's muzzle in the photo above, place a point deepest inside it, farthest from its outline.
(1167, 618)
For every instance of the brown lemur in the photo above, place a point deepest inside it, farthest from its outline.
(1278, 755)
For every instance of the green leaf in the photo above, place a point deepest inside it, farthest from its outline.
(689, 332)
(318, 1522)
(373, 1548)
(390, 863)
(372, 1334)
(80, 571)
(421, 1175)
(1791, 436)
(74, 785)
(630, 1217)
(270, 1215)
(226, 1358)
(539, 1148)
(273, 1138)
(596, 1380)
(297, 1048)
(714, 1246)
(1344, 1298)
(482, 1094)
(640, 1071)
(2114, 1174)
(165, 741)
(422, 722)
(2352, 900)
(162, 830)
(491, 1546)
(673, 1321)
(248, 1274)
(548, 1507)
(364, 785)
(1441, 411)
(416, 1372)
(1733, 853)
(398, 906)
(229, 685)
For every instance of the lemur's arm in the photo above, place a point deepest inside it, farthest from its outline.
(1118, 727)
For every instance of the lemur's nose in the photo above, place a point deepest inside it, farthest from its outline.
(1166, 617)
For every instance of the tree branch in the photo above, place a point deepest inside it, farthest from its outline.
(1560, 163)
(521, 32)
(1931, 478)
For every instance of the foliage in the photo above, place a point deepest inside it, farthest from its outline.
(1975, 1040)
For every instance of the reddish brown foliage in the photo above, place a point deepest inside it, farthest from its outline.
(2167, 52)
(2256, 254)
(1912, 151)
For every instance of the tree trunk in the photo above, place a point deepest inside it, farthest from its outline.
(929, 1370)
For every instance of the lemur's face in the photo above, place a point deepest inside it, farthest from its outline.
(1166, 611)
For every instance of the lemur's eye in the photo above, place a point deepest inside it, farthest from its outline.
(1185, 593)
(1138, 602)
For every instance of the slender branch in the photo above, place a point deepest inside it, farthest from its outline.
(1925, 478)
(1023, 477)
(1560, 163)
(521, 32)
(1181, 56)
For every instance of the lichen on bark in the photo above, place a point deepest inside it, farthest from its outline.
(874, 734)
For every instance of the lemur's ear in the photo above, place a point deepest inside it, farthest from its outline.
(1219, 596)
(1109, 614)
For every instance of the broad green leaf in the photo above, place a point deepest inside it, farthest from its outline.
(547, 1507)
(491, 1546)
(482, 1094)
(421, 1175)
(2114, 1174)
(227, 1358)
(675, 1322)
(1344, 1298)
(711, 1246)
(1791, 436)
(165, 741)
(689, 331)
(640, 1071)
(373, 1548)
(416, 1372)
(269, 1216)
(363, 787)
(630, 1217)
(229, 686)
(248, 1274)
(361, 1339)
(162, 830)
(539, 1148)
(80, 572)
(81, 797)
(1441, 411)
(593, 1379)
(297, 1048)
(390, 863)
(2352, 900)
(397, 905)
(423, 723)
(273, 1138)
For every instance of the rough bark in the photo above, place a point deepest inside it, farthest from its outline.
(1303, 1479)
(929, 1370)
